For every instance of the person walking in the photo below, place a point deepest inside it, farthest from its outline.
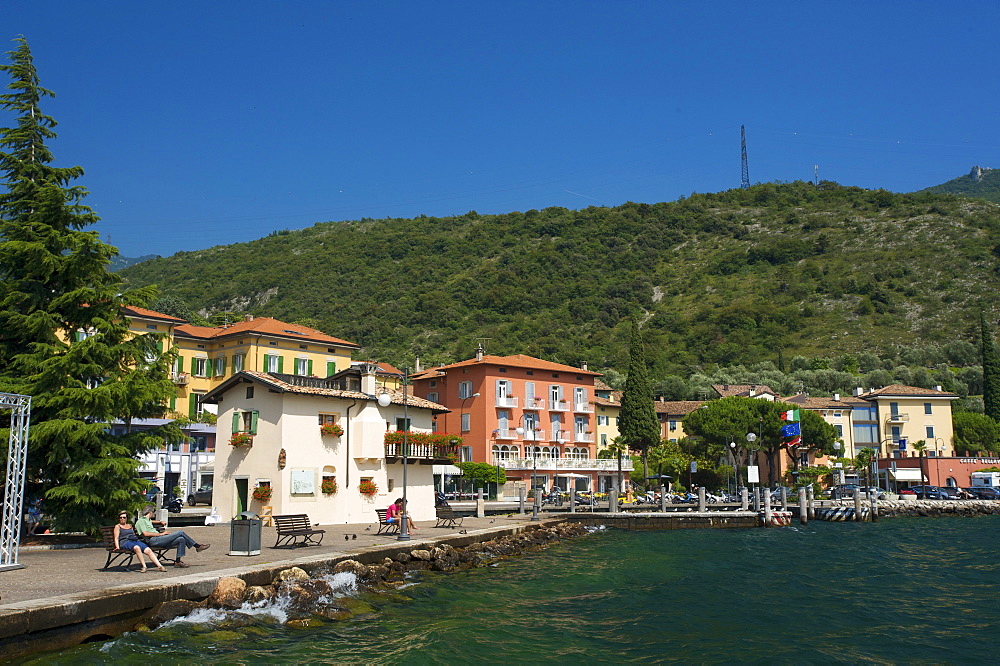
(179, 540)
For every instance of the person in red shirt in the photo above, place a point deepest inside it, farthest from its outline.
(395, 513)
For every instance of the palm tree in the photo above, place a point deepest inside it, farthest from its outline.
(921, 447)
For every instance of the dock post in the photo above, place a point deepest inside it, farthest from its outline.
(701, 499)
(480, 505)
(744, 500)
(874, 513)
(784, 498)
(768, 515)
(857, 505)
(663, 499)
(803, 512)
(613, 500)
(810, 500)
(572, 499)
(756, 499)
(520, 500)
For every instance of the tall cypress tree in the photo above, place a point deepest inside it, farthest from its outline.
(991, 372)
(63, 340)
(638, 425)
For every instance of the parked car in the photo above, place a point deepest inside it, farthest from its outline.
(905, 491)
(844, 491)
(201, 496)
(983, 492)
(952, 492)
(872, 491)
(929, 492)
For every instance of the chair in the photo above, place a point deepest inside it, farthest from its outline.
(266, 517)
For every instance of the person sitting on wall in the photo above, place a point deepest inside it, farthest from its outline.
(180, 540)
(126, 539)
(395, 514)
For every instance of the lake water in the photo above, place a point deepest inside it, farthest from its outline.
(898, 591)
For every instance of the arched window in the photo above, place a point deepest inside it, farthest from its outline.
(504, 452)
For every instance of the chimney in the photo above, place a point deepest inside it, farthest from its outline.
(858, 391)
(753, 390)
(416, 366)
(248, 317)
(937, 388)
(368, 383)
(479, 352)
(583, 366)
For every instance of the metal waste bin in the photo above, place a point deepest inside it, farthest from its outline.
(244, 534)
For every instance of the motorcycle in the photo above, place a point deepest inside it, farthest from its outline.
(175, 505)
(686, 498)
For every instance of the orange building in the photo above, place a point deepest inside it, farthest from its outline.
(524, 414)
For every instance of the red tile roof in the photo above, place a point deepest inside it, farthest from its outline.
(521, 361)
(285, 387)
(678, 406)
(261, 326)
(729, 390)
(907, 391)
(133, 311)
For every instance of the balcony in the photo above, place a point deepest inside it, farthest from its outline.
(506, 401)
(559, 406)
(423, 447)
(180, 378)
(897, 418)
(583, 437)
(579, 464)
(534, 436)
(534, 404)
(583, 408)
(505, 433)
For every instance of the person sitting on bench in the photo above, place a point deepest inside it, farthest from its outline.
(126, 539)
(395, 513)
(180, 540)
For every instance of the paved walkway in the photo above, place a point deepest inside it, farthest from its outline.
(53, 573)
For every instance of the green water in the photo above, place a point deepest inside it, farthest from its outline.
(899, 591)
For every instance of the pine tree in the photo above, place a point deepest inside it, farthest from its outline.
(63, 340)
(637, 422)
(991, 372)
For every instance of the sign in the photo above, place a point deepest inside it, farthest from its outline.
(753, 474)
(902, 443)
(694, 466)
(303, 482)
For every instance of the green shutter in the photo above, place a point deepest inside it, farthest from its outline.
(192, 405)
(281, 364)
(194, 367)
(236, 422)
(253, 422)
(160, 346)
(180, 364)
(173, 403)
(223, 366)
(309, 370)
(331, 368)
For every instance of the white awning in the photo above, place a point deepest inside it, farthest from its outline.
(906, 474)
(570, 475)
(206, 468)
(447, 470)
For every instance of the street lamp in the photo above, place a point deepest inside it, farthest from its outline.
(461, 414)
(736, 467)
(520, 430)
(385, 400)
(937, 463)
(838, 465)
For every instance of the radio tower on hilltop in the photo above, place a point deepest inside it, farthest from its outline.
(744, 171)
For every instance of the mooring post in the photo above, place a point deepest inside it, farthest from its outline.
(756, 499)
(857, 505)
(613, 500)
(520, 500)
(768, 515)
(572, 499)
(744, 500)
(803, 512)
(480, 505)
(811, 501)
(874, 514)
(663, 499)
(701, 499)
(784, 498)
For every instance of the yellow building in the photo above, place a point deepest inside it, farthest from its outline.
(912, 414)
(207, 355)
(607, 404)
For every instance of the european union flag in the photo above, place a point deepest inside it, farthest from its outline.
(791, 430)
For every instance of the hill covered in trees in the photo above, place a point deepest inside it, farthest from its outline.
(980, 183)
(737, 277)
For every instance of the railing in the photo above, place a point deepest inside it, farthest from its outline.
(422, 451)
(559, 406)
(583, 408)
(505, 433)
(547, 463)
(180, 378)
(506, 401)
(534, 403)
(898, 418)
(534, 436)
(583, 437)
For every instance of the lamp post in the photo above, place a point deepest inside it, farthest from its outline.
(736, 467)
(461, 414)
(938, 452)
(837, 465)
(385, 400)
(520, 430)
(751, 439)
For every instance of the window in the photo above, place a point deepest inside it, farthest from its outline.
(603, 420)
(433, 383)
(402, 424)
(220, 366)
(151, 327)
(464, 390)
(249, 392)
(466, 453)
(329, 419)
(238, 360)
(604, 439)
(466, 422)
(927, 408)
(838, 415)
(672, 425)
(840, 429)
(245, 421)
(930, 432)
(433, 397)
(504, 389)
(894, 408)
(272, 363)
(303, 367)
(556, 394)
(199, 367)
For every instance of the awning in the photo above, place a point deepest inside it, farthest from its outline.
(906, 474)
(206, 468)
(447, 470)
(570, 475)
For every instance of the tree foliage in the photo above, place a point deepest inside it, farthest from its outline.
(638, 424)
(991, 372)
(975, 433)
(62, 339)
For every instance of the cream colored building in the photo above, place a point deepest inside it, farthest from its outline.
(282, 417)
(912, 414)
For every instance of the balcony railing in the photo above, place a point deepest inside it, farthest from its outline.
(534, 403)
(180, 378)
(583, 408)
(420, 451)
(505, 433)
(506, 401)
(534, 436)
(559, 406)
(583, 437)
(898, 418)
(547, 463)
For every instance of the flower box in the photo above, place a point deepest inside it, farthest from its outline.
(241, 439)
(368, 488)
(331, 429)
(262, 493)
(329, 486)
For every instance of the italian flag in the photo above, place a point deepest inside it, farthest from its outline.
(790, 415)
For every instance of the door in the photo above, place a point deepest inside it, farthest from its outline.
(242, 496)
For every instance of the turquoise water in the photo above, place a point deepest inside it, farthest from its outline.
(899, 591)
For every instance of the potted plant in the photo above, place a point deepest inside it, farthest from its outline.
(367, 487)
(329, 486)
(241, 439)
(331, 429)
(262, 493)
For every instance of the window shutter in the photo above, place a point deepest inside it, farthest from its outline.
(236, 422)
(253, 422)
(331, 368)
(309, 370)
(173, 403)
(223, 366)
(193, 405)
(160, 346)
(194, 366)
(267, 363)
(281, 364)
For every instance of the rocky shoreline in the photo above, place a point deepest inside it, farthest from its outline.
(310, 600)
(937, 508)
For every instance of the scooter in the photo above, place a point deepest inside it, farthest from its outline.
(175, 505)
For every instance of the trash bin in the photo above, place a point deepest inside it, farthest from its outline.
(244, 534)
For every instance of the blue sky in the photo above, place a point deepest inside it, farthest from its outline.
(200, 124)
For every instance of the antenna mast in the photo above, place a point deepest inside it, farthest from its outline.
(815, 174)
(745, 171)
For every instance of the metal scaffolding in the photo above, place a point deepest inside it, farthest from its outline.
(13, 498)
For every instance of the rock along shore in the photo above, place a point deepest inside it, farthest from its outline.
(937, 508)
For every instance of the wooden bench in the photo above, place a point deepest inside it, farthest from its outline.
(121, 556)
(383, 526)
(446, 517)
(292, 528)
